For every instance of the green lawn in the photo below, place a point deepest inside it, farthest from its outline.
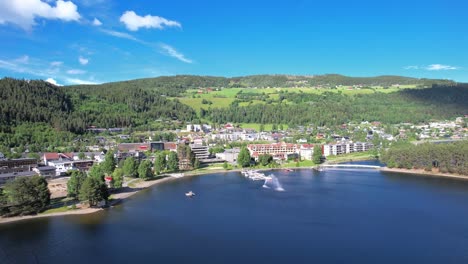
(367, 155)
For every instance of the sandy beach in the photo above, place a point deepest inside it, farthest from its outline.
(117, 198)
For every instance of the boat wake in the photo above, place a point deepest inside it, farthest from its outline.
(271, 182)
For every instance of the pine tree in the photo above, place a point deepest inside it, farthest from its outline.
(74, 183)
(244, 157)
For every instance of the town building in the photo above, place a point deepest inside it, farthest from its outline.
(345, 148)
(229, 155)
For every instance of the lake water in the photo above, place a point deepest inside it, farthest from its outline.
(334, 216)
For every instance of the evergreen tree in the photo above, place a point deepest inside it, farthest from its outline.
(265, 159)
(160, 163)
(108, 165)
(97, 172)
(317, 155)
(173, 161)
(144, 170)
(244, 157)
(26, 195)
(117, 177)
(130, 167)
(93, 191)
(74, 183)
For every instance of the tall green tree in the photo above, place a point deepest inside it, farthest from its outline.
(265, 159)
(130, 167)
(144, 170)
(74, 183)
(173, 161)
(26, 195)
(317, 155)
(118, 178)
(93, 191)
(97, 172)
(160, 163)
(244, 157)
(108, 165)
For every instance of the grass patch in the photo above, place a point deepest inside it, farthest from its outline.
(367, 155)
(57, 210)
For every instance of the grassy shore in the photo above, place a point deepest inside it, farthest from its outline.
(422, 172)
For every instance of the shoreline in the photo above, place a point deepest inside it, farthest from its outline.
(121, 197)
(118, 199)
(421, 172)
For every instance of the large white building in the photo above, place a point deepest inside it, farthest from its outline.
(345, 147)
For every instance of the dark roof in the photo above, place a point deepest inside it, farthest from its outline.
(45, 168)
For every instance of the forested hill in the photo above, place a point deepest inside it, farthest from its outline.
(175, 85)
(74, 110)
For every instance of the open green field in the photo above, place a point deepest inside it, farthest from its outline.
(225, 96)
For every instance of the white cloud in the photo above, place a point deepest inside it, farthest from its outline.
(52, 81)
(411, 67)
(134, 22)
(120, 35)
(170, 51)
(83, 61)
(56, 63)
(79, 81)
(25, 12)
(96, 22)
(440, 67)
(76, 71)
(23, 59)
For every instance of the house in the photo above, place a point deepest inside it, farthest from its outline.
(12, 168)
(229, 155)
(306, 151)
(6, 177)
(171, 146)
(54, 156)
(46, 171)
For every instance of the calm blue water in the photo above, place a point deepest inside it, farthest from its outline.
(335, 216)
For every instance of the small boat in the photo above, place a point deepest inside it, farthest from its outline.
(288, 170)
(190, 194)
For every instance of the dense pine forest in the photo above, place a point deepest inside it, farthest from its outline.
(75, 109)
(452, 158)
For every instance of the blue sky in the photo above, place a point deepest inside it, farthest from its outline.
(95, 41)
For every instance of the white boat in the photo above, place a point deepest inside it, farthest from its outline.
(190, 194)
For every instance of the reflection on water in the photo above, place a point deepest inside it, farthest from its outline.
(334, 216)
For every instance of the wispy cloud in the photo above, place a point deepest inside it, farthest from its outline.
(411, 67)
(23, 59)
(56, 63)
(119, 34)
(83, 60)
(75, 71)
(440, 67)
(134, 22)
(24, 13)
(171, 51)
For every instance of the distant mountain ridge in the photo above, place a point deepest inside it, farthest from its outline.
(174, 85)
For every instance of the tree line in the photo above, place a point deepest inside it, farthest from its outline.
(447, 157)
